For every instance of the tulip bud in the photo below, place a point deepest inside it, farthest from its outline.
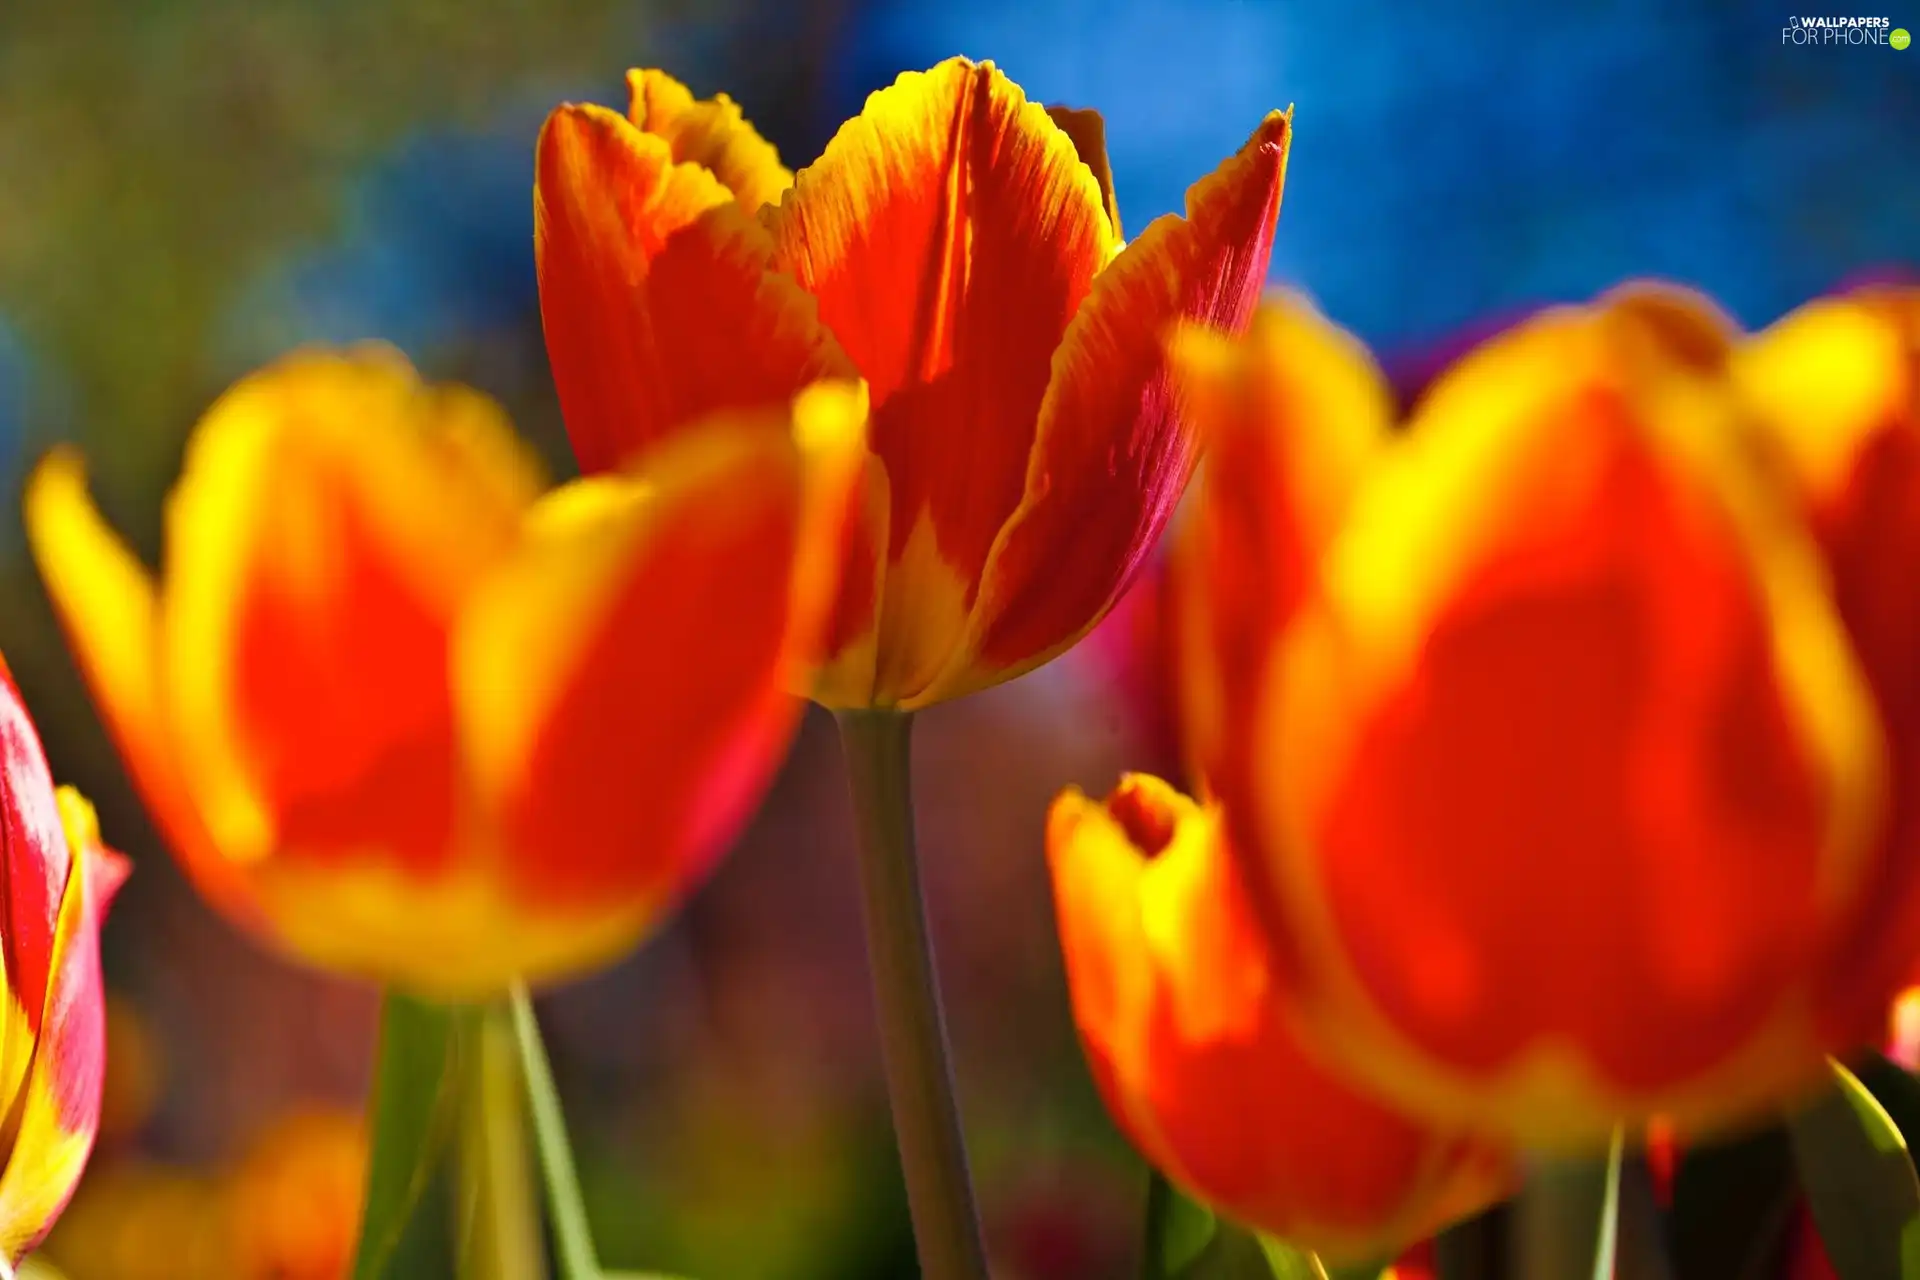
(959, 248)
(1193, 1048)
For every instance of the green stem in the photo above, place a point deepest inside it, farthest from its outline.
(405, 1229)
(500, 1218)
(572, 1236)
(1565, 1217)
(913, 1038)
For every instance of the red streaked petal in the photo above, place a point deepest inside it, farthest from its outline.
(709, 132)
(950, 233)
(656, 292)
(35, 872)
(60, 1110)
(1114, 451)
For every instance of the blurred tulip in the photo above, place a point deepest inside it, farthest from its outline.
(136, 1222)
(1552, 771)
(1903, 1029)
(405, 719)
(56, 881)
(1189, 1040)
(1835, 390)
(293, 1201)
(958, 247)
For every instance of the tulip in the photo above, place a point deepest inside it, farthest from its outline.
(1186, 1028)
(1552, 773)
(58, 881)
(294, 1199)
(1835, 393)
(405, 718)
(959, 248)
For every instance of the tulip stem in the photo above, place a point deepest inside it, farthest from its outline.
(499, 1216)
(913, 1037)
(566, 1208)
(1565, 1220)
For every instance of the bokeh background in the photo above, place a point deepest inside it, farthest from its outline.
(188, 188)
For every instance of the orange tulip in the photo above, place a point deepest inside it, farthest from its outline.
(294, 1199)
(1552, 770)
(1184, 1025)
(959, 248)
(407, 720)
(1835, 389)
(56, 880)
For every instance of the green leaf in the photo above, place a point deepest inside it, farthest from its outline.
(1178, 1230)
(406, 1232)
(1733, 1202)
(1894, 1088)
(1859, 1181)
(1185, 1240)
(574, 1253)
(1354, 1271)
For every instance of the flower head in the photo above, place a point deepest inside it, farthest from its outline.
(959, 248)
(408, 718)
(1553, 772)
(1186, 1026)
(1834, 390)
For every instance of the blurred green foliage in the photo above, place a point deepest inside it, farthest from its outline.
(153, 154)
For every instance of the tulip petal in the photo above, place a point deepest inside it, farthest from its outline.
(1835, 388)
(1173, 995)
(331, 517)
(710, 133)
(1578, 768)
(108, 608)
(1087, 130)
(1292, 419)
(1114, 450)
(36, 859)
(626, 678)
(656, 291)
(60, 1111)
(950, 232)
(851, 647)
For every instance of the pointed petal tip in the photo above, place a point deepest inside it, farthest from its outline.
(107, 873)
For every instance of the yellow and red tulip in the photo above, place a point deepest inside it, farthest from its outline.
(1553, 774)
(959, 248)
(1835, 391)
(1185, 1025)
(405, 717)
(58, 881)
